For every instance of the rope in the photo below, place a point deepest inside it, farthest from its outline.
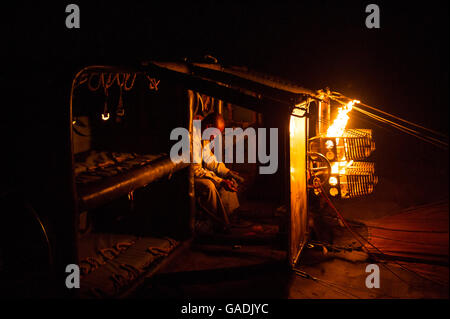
(99, 82)
(325, 283)
(357, 236)
(105, 114)
(127, 77)
(152, 83)
(121, 246)
(405, 121)
(426, 138)
(113, 253)
(390, 115)
(404, 129)
(120, 111)
(132, 271)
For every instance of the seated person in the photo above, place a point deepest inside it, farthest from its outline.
(214, 182)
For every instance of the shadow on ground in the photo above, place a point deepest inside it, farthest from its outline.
(328, 271)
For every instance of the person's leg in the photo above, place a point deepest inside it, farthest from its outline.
(210, 198)
(229, 199)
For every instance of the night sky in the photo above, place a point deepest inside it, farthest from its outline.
(401, 68)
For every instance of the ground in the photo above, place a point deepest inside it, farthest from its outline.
(245, 270)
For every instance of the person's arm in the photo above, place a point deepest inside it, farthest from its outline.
(213, 168)
(219, 168)
(199, 170)
(212, 164)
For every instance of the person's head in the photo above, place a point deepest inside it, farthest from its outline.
(213, 120)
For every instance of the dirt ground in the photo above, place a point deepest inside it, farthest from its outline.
(249, 270)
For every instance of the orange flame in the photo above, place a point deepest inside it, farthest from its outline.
(340, 167)
(339, 124)
(337, 130)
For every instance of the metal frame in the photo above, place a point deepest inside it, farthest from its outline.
(249, 90)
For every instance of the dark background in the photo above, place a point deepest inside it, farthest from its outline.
(401, 68)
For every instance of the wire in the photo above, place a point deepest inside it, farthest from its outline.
(408, 241)
(427, 138)
(304, 274)
(404, 129)
(199, 98)
(410, 230)
(356, 235)
(127, 77)
(325, 283)
(388, 114)
(372, 121)
(405, 121)
(44, 233)
(91, 88)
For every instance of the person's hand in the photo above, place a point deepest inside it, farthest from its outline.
(229, 185)
(235, 184)
(236, 176)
